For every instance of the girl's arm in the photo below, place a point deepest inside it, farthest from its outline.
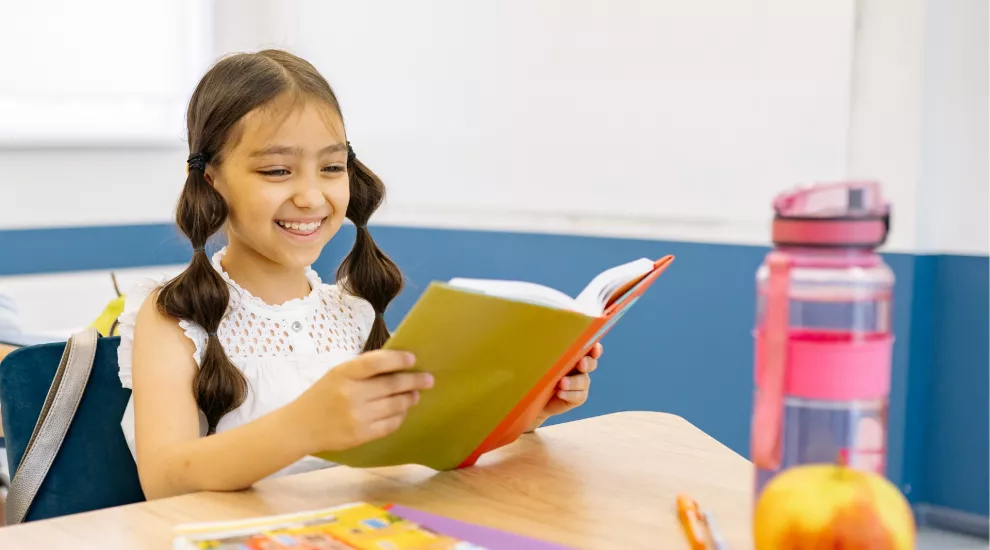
(172, 458)
(358, 401)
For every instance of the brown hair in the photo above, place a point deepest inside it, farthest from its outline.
(233, 87)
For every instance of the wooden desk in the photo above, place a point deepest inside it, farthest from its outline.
(607, 482)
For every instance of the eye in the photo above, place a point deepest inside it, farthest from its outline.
(278, 172)
(335, 168)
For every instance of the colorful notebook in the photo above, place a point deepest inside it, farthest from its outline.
(355, 526)
(497, 350)
(490, 539)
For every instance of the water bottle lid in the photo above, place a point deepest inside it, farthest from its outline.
(850, 214)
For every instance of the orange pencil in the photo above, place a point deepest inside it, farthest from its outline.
(687, 513)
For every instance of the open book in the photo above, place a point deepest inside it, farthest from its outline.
(496, 350)
(601, 292)
(353, 526)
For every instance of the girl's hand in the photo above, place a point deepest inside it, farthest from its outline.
(572, 391)
(358, 401)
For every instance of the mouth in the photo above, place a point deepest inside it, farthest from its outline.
(301, 228)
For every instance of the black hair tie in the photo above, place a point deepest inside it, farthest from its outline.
(350, 152)
(197, 161)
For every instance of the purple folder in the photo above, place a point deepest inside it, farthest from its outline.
(490, 539)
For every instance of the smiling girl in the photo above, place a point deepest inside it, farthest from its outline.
(247, 363)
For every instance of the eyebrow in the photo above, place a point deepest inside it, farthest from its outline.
(296, 151)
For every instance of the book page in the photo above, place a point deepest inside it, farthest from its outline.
(600, 291)
(518, 290)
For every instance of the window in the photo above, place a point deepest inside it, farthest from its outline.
(101, 71)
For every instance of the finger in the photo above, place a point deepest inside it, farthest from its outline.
(575, 382)
(374, 363)
(380, 428)
(596, 351)
(393, 405)
(587, 364)
(385, 385)
(592, 365)
(573, 397)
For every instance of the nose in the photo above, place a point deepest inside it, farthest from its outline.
(308, 194)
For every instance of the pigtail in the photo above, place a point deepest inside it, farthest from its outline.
(367, 272)
(199, 294)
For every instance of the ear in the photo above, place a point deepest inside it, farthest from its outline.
(208, 174)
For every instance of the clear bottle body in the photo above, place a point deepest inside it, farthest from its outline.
(838, 342)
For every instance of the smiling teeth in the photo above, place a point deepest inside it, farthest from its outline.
(296, 226)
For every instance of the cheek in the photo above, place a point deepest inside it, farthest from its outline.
(339, 196)
(251, 212)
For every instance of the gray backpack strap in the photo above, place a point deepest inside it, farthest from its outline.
(56, 416)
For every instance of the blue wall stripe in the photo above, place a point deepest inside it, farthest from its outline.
(685, 347)
(918, 378)
(27, 251)
(958, 430)
(903, 268)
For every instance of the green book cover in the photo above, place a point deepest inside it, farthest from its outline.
(485, 353)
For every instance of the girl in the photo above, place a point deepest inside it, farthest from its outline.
(246, 363)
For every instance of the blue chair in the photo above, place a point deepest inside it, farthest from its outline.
(93, 468)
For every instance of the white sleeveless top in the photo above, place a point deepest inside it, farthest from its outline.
(281, 350)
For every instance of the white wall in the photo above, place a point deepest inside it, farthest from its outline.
(675, 101)
(955, 185)
(603, 119)
(621, 120)
(77, 297)
(92, 99)
(894, 90)
(102, 71)
(885, 111)
(654, 119)
(919, 119)
(66, 187)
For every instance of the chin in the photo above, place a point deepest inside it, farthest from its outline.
(300, 258)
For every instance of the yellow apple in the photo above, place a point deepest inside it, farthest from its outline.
(832, 506)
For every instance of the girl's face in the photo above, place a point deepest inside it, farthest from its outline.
(285, 182)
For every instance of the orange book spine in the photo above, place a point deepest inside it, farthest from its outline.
(525, 413)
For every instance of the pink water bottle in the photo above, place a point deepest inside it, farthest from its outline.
(823, 338)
